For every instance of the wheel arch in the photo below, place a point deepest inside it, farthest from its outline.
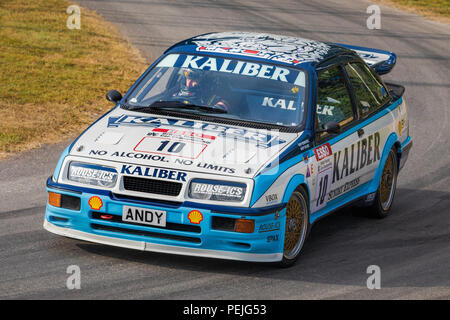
(297, 181)
(392, 141)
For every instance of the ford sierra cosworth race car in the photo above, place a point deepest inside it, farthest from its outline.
(231, 145)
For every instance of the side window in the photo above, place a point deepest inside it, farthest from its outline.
(333, 99)
(369, 92)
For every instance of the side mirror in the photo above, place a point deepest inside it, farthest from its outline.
(113, 96)
(331, 127)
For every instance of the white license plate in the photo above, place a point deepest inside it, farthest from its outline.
(144, 216)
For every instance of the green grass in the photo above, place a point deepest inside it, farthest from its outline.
(431, 8)
(52, 79)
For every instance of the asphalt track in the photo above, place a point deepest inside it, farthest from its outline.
(412, 247)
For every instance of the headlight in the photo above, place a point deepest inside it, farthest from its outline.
(92, 174)
(217, 190)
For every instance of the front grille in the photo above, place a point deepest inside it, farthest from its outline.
(145, 233)
(167, 188)
(146, 201)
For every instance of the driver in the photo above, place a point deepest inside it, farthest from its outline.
(194, 89)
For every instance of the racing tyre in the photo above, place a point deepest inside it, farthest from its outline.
(297, 227)
(386, 190)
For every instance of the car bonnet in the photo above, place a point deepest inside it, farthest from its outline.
(178, 143)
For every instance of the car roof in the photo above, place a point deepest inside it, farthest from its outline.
(287, 50)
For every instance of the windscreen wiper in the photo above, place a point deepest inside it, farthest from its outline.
(159, 105)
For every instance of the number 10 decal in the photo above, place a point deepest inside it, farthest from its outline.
(174, 147)
(322, 187)
(170, 147)
(323, 184)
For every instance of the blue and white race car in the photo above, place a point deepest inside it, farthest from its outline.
(231, 145)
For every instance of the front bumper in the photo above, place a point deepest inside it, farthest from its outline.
(181, 237)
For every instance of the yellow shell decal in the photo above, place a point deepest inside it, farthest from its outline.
(195, 216)
(95, 203)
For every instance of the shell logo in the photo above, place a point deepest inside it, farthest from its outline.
(95, 203)
(195, 216)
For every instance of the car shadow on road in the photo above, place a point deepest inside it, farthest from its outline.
(411, 248)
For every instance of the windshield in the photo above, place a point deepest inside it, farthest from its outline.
(228, 88)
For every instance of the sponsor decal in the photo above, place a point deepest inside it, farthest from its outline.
(267, 46)
(153, 172)
(370, 197)
(170, 147)
(272, 238)
(267, 227)
(372, 58)
(323, 151)
(187, 135)
(279, 103)
(212, 189)
(344, 188)
(306, 158)
(304, 145)
(271, 198)
(215, 167)
(99, 175)
(259, 138)
(325, 110)
(92, 174)
(95, 203)
(325, 171)
(195, 217)
(132, 155)
(401, 125)
(324, 165)
(355, 157)
(344, 163)
(249, 69)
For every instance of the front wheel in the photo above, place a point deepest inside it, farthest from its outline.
(386, 190)
(297, 227)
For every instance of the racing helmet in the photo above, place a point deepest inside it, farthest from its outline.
(192, 74)
(188, 90)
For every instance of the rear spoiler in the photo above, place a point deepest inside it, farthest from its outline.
(380, 60)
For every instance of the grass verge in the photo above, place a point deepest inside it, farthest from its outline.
(53, 79)
(438, 10)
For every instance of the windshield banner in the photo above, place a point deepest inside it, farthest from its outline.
(245, 68)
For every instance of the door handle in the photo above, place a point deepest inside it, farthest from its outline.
(360, 132)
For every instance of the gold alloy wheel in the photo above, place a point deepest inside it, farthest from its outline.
(296, 224)
(387, 183)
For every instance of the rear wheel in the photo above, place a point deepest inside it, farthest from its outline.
(297, 227)
(386, 189)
